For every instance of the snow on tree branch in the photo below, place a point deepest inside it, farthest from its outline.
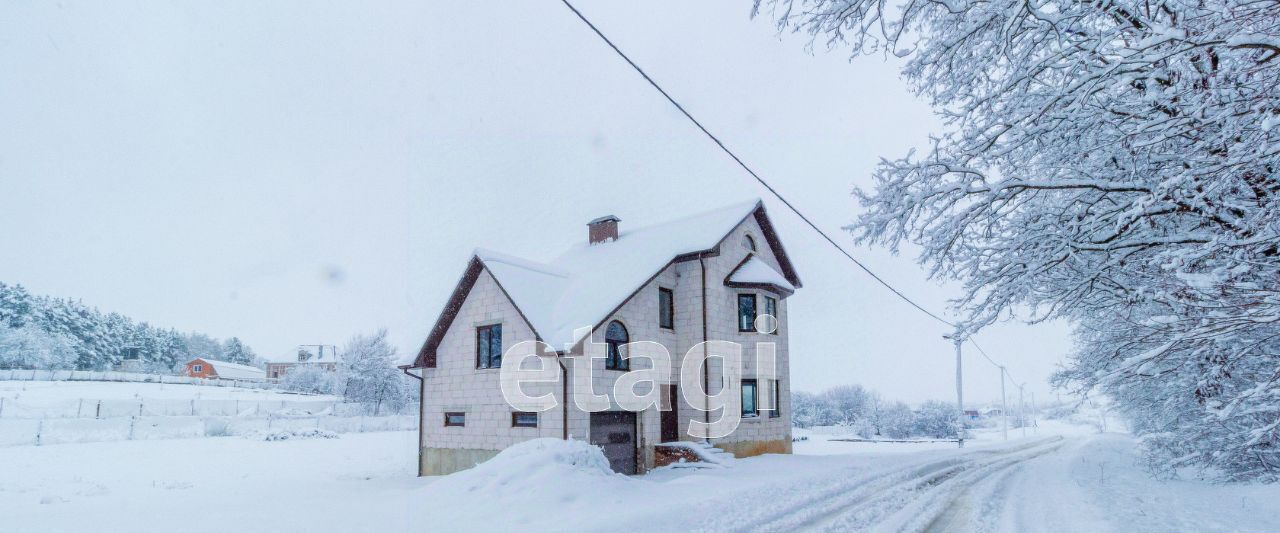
(1112, 163)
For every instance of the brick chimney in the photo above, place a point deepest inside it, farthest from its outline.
(603, 229)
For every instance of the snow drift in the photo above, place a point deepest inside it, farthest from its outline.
(529, 478)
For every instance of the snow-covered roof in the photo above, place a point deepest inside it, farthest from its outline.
(229, 370)
(583, 285)
(755, 271)
(326, 355)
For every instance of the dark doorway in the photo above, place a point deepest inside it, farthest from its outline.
(670, 415)
(615, 432)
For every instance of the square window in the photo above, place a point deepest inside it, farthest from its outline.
(749, 406)
(455, 419)
(197, 368)
(746, 312)
(489, 346)
(524, 420)
(666, 308)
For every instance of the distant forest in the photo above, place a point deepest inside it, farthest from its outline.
(43, 332)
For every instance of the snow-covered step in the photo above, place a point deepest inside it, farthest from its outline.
(706, 454)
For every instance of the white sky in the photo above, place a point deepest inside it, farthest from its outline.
(296, 172)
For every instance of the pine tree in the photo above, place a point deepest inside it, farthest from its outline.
(234, 351)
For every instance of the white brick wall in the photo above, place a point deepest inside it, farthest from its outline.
(457, 385)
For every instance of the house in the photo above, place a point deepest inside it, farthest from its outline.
(214, 369)
(700, 278)
(321, 356)
(130, 361)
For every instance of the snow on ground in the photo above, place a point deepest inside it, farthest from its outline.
(1065, 478)
(358, 482)
(48, 391)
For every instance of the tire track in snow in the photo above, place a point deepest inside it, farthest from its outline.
(878, 506)
(965, 509)
(832, 493)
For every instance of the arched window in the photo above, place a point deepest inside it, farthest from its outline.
(615, 336)
(748, 242)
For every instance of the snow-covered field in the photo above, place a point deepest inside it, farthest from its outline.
(1063, 479)
(60, 412)
(49, 391)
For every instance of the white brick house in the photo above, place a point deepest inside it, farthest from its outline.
(678, 283)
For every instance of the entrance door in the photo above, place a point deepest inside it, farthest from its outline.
(670, 416)
(615, 432)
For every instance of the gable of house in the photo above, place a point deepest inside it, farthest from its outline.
(590, 282)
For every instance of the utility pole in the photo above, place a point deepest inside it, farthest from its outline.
(1022, 414)
(1035, 424)
(958, 339)
(1004, 406)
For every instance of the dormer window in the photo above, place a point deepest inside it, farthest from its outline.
(748, 242)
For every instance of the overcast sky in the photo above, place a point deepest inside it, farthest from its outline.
(296, 172)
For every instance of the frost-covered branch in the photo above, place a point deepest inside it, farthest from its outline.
(1115, 164)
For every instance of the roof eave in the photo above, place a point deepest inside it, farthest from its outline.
(773, 287)
(427, 355)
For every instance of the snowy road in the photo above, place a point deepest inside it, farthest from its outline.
(1072, 481)
(1055, 483)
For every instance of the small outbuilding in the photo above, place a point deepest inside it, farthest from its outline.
(213, 369)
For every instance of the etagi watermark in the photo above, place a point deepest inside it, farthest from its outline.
(719, 364)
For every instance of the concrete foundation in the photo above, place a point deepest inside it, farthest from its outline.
(750, 448)
(442, 461)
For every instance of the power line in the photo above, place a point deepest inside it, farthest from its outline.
(766, 184)
(744, 166)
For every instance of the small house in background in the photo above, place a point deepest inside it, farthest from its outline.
(323, 356)
(214, 369)
(130, 361)
(972, 414)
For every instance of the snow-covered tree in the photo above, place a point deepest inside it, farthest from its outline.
(1114, 164)
(100, 341)
(311, 379)
(235, 351)
(15, 305)
(29, 347)
(850, 403)
(897, 421)
(935, 419)
(369, 372)
(201, 345)
(804, 409)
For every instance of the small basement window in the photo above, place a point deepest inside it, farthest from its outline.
(455, 419)
(666, 308)
(749, 406)
(524, 420)
(746, 312)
